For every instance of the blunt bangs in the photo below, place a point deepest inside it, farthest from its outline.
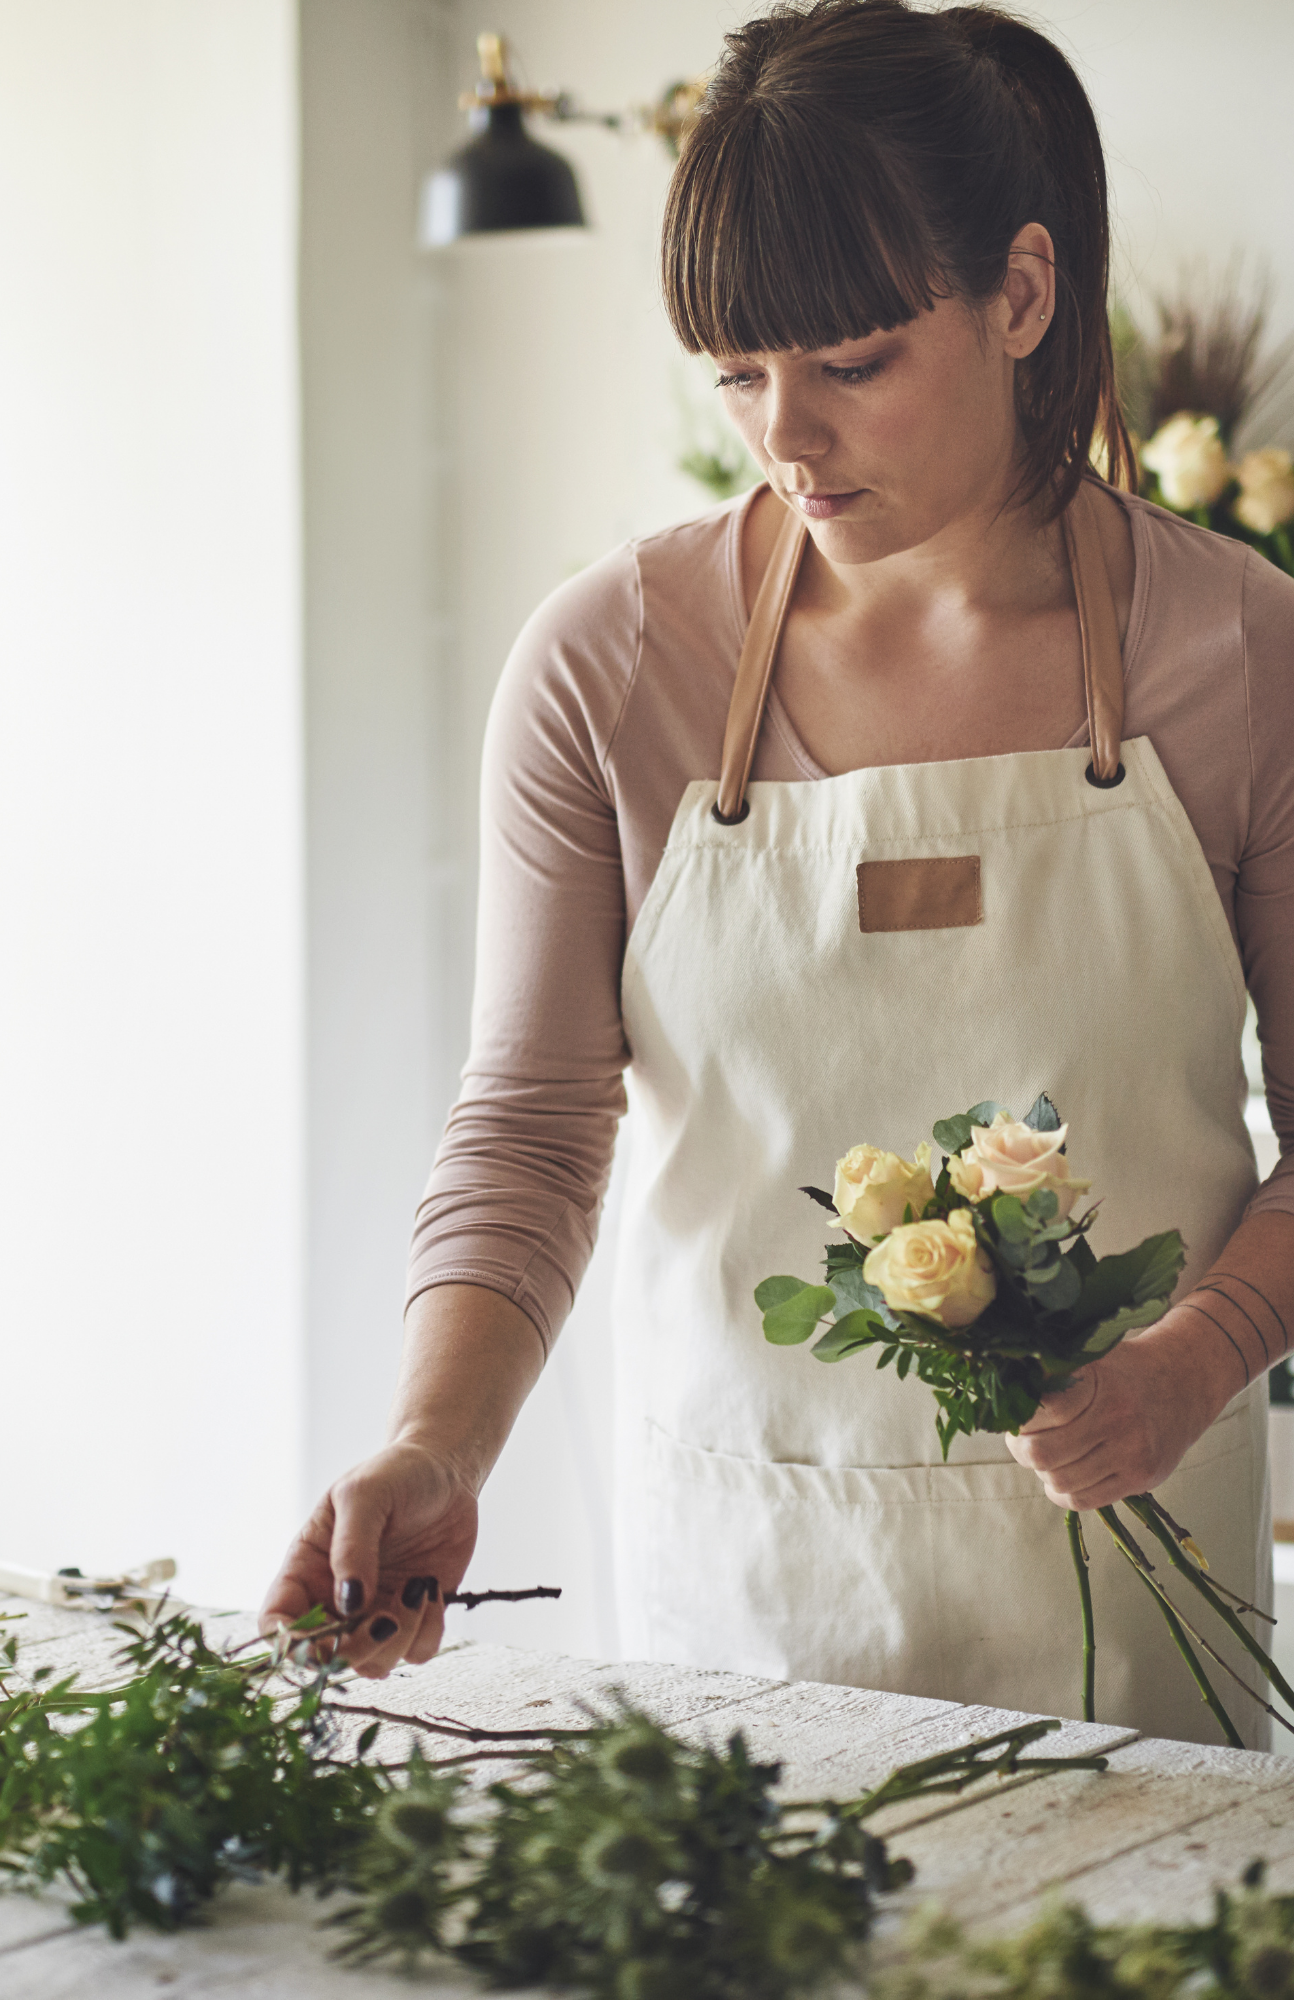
(768, 245)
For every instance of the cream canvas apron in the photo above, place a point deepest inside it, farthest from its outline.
(780, 1516)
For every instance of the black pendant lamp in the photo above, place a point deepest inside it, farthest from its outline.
(502, 179)
(505, 180)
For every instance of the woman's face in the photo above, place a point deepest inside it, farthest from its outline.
(884, 443)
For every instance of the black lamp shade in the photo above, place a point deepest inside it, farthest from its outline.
(502, 179)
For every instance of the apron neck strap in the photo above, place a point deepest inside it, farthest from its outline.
(1097, 623)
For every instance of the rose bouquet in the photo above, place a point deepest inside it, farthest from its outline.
(981, 1283)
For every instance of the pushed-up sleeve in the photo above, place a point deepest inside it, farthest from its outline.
(1265, 883)
(517, 1184)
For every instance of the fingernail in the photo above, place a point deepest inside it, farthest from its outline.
(433, 1588)
(413, 1593)
(350, 1597)
(381, 1629)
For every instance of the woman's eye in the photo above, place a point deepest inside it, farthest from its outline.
(866, 371)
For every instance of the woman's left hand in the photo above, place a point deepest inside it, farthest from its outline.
(1124, 1423)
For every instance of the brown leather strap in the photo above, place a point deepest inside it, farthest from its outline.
(1098, 624)
(755, 667)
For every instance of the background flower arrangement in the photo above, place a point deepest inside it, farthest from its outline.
(1191, 389)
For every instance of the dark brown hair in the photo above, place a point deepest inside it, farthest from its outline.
(854, 160)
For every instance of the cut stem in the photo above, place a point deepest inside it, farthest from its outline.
(1148, 1511)
(1079, 1554)
(1124, 1541)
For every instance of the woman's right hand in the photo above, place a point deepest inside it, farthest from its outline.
(388, 1539)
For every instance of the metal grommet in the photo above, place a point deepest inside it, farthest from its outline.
(737, 817)
(1104, 784)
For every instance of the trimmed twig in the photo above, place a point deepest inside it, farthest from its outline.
(953, 1770)
(1079, 1554)
(444, 1725)
(469, 1599)
(1124, 1541)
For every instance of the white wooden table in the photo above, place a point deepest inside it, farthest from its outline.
(1151, 1837)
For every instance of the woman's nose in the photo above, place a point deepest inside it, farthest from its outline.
(792, 433)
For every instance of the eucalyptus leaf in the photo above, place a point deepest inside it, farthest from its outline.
(776, 1291)
(1042, 1203)
(1010, 1220)
(849, 1335)
(1061, 1289)
(792, 1319)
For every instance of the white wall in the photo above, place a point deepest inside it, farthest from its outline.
(150, 786)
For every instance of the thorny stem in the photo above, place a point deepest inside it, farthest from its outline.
(1079, 1555)
(1146, 1509)
(1125, 1542)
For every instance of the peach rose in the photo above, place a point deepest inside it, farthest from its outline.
(873, 1188)
(1009, 1157)
(935, 1268)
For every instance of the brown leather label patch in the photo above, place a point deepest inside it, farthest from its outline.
(933, 895)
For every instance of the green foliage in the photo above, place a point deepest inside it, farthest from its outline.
(1057, 1306)
(148, 1797)
(633, 1865)
(1246, 1952)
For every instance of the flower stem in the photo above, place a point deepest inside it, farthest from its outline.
(1079, 1554)
(1148, 1511)
(1198, 1675)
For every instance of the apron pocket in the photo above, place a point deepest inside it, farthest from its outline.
(950, 1581)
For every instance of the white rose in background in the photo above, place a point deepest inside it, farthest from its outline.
(1266, 498)
(1009, 1157)
(935, 1268)
(874, 1188)
(1189, 459)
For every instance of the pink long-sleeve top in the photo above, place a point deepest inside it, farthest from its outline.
(615, 697)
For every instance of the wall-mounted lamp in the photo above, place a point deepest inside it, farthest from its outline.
(503, 179)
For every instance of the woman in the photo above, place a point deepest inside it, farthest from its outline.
(889, 232)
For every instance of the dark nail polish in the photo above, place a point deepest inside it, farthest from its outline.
(413, 1593)
(433, 1588)
(350, 1597)
(382, 1629)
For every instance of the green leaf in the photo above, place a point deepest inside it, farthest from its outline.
(1060, 1290)
(1110, 1332)
(850, 1284)
(1042, 1204)
(954, 1134)
(792, 1318)
(776, 1291)
(849, 1335)
(1010, 1220)
(1149, 1271)
(1042, 1115)
(368, 1738)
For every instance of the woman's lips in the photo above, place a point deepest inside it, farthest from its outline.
(822, 506)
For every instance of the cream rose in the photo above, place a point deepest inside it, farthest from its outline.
(1266, 498)
(935, 1268)
(1009, 1157)
(1190, 459)
(873, 1188)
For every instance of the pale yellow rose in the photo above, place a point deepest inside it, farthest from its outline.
(873, 1188)
(935, 1268)
(1009, 1157)
(1266, 498)
(1190, 460)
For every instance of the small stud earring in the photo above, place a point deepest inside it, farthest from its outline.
(1042, 315)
